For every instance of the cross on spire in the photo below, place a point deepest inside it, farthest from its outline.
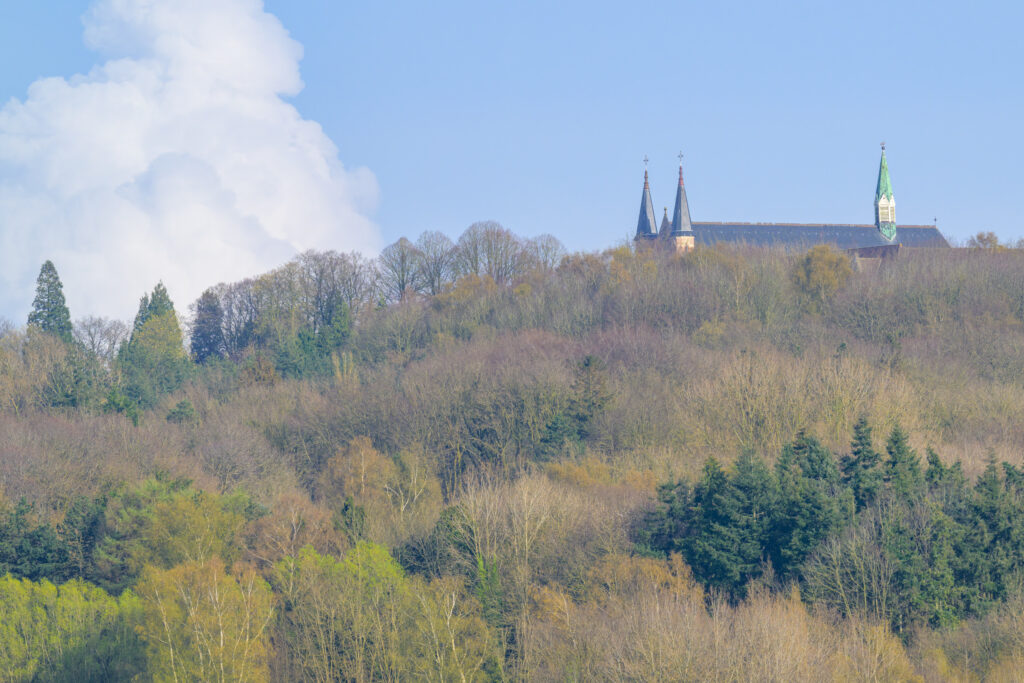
(645, 162)
(883, 145)
(680, 158)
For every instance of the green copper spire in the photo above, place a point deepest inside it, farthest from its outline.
(885, 202)
(884, 188)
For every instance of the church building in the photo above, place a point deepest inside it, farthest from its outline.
(883, 239)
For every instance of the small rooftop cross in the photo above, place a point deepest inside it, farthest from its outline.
(883, 145)
(645, 162)
(680, 158)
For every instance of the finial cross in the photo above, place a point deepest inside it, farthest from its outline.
(680, 158)
(645, 162)
(883, 145)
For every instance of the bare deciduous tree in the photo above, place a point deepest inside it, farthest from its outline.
(397, 265)
(240, 307)
(545, 251)
(436, 264)
(101, 337)
(357, 281)
(469, 257)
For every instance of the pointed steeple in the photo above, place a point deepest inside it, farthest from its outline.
(884, 186)
(666, 227)
(681, 224)
(885, 202)
(647, 224)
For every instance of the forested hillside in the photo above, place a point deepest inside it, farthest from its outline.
(492, 460)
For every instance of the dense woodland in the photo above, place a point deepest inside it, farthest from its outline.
(492, 460)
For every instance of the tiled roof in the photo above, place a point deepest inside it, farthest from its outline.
(803, 235)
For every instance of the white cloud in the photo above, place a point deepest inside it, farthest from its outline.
(177, 159)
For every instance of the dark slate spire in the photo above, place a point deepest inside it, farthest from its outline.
(646, 225)
(666, 227)
(681, 224)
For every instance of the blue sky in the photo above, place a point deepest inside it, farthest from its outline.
(538, 114)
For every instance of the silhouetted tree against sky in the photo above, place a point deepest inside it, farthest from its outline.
(435, 262)
(49, 310)
(398, 269)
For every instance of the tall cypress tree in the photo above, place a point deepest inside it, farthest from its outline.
(49, 310)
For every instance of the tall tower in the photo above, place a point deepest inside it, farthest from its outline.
(885, 203)
(647, 224)
(682, 228)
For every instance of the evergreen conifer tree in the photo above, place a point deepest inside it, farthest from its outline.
(903, 468)
(154, 361)
(150, 306)
(861, 471)
(724, 549)
(994, 536)
(207, 340)
(49, 310)
(757, 493)
(810, 504)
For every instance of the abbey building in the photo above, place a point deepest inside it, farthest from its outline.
(884, 238)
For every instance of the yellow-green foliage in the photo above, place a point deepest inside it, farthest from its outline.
(202, 623)
(193, 526)
(72, 632)
(362, 618)
(164, 524)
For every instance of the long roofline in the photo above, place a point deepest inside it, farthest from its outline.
(809, 225)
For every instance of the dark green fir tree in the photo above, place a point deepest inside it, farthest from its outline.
(207, 339)
(152, 305)
(49, 310)
(903, 468)
(862, 470)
